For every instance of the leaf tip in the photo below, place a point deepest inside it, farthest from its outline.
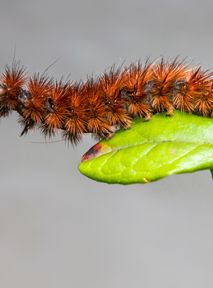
(95, 151)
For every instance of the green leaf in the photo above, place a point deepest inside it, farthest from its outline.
(211, 170)
(151, 150)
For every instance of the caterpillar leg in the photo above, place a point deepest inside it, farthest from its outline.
(170, 110)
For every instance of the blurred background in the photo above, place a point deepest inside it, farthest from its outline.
(60, 229)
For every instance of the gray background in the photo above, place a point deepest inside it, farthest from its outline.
(60, 229)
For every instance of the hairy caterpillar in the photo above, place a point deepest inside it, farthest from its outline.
(103, 104)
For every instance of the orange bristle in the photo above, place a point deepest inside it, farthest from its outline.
(109, 95)
(132, 92)
(12, 82)
(95, 114)
(75, 123)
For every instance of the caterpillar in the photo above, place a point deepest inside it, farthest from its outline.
(100, 105)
